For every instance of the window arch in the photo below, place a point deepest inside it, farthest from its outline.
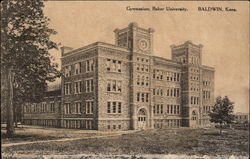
(194, 115)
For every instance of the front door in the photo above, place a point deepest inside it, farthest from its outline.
(142, 119)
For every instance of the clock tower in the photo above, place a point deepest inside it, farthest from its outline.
(136, 39)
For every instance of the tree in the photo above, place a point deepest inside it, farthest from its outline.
(26, 64)
(222, 112)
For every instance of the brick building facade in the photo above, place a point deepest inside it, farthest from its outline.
(124, 86)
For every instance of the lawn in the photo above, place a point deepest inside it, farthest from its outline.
(169, 141)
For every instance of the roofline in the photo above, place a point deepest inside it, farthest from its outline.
(93, 45)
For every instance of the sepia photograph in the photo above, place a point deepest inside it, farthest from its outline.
(124, 79)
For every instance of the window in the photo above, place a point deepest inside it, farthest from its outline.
(142, 97)
(68, 71)
(138, 80)
(78, 108)
(90, 65)
(114, 107)
(109, 107)
(89, 107)
(44, 105)
(178, 109)
(108, 64)
(77, 68)
(113, 65)
(142, 81)
(108, 85)
(52, 107)
(89, 85)
(119, 66)
(194, 115)
(119, 107)
(146, 97)
(67, 108)
(78, 87)
(114, 86)
(158, 109)
(67, 88)
(161, 109)
(147, 81)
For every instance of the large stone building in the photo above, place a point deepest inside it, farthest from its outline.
(124, 86)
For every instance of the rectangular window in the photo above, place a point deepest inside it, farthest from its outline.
(114, 107)
(77, 68)
(167, 76)
(142, 97)
(114, 86)
(147, 81)
(138, 97)
(119, 66)
(67, 88)
(161, 108)
(113, 65)
(89, 107)
(68, 70)
(78, 107)
(89, 65)
(146, 97)
(78, 87)
(52, 107)
(108, 64)
(146, 68)
(109, 107)
(108, 85)
(119, 107)
(67, 108)
(138, 80)
(119, 86)
(89, 85)
(154, 109)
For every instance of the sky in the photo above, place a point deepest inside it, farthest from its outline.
(224, 35)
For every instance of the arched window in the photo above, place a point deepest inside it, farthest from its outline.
(142, 115)
(194, 115)
(142, 112)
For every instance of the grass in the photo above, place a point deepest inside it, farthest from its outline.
(25, 138)
(168, 141)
